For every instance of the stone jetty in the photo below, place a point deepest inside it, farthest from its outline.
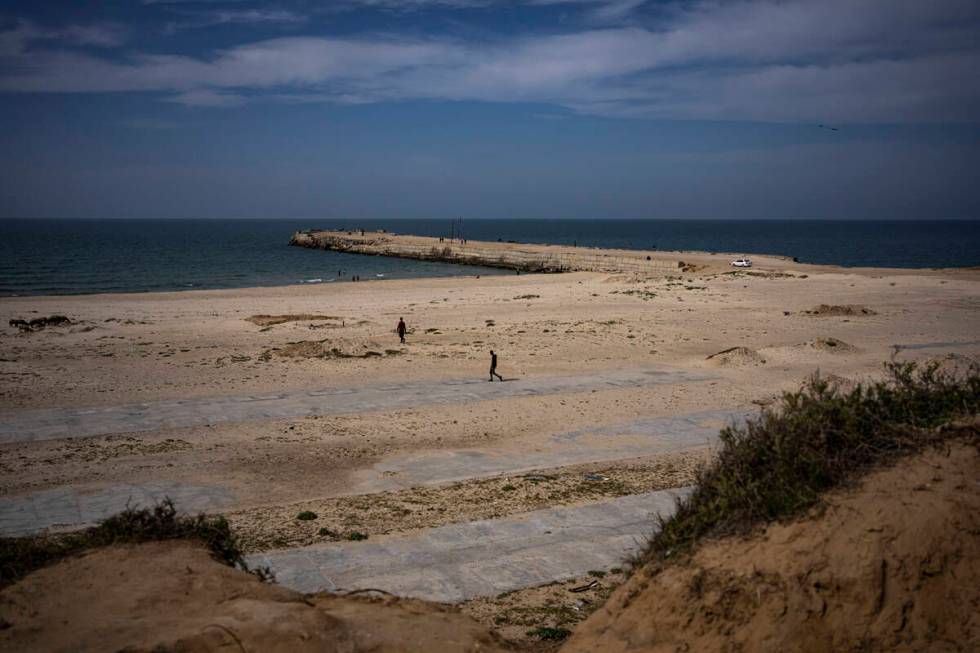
(524, 257)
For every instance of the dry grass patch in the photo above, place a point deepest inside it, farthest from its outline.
(839, 310)
(272, 320)
(325, 349)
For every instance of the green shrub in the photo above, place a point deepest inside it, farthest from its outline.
(21, 555)
(547, 633)
(306, 515)
(778, 464)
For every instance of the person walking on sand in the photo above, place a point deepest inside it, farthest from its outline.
(493, 366)
(401, 330)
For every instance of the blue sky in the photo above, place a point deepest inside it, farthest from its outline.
(490, 109)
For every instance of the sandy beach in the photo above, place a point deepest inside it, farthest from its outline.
(725, 342)
(122, 349)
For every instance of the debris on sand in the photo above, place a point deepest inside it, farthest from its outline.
(584, 588)
(325, 349)
(38, 323)
(839, 310)
(271, 320)
(736, 357)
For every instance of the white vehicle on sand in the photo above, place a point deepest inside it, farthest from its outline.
(742, 263)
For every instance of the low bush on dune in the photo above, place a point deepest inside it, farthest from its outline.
(21, 555)
(820, 437)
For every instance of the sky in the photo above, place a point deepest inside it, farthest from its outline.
(490, 109)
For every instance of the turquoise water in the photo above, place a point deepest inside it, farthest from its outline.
(89, 256)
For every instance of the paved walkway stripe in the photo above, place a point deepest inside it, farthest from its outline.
(482, 558)
(71, 508)
(52, 424)
(635, 439)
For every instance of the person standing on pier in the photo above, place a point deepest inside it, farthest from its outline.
(401, 330)
(493, 366)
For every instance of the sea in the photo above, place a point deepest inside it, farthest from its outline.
(74, 256)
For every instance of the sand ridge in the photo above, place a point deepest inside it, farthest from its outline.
(892, 565)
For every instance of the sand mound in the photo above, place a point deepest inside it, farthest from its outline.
(170, 596)
(891, 566)
(737, 357)
(837, 310)
(270, 320)
(331, 349)
(831, 345)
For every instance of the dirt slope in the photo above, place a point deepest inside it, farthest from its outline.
(173, 597)
(893, 565)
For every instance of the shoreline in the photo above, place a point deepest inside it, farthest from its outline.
(717, 263)
(147, 346)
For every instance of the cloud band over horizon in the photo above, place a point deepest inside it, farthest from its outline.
(838, 61)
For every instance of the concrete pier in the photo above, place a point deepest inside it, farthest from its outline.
(515, 256)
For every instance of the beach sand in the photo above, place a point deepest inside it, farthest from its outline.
(742, 336)
(123, 349)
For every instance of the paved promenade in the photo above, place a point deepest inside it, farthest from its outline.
(482, 558)
(71, 507)
(55, 424)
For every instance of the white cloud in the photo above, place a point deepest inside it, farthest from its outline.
(194, 20)
(104, 35)
(412, 5)
(836, 60)
(15, 41)
(203, 97)
(600, 11)
(187, 2)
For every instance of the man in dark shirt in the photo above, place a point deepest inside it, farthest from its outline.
(401, 330)
(493, 366)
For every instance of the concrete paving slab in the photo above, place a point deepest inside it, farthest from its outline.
(71, 508)
(482, 558)
(634, 439)
(52, 424)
